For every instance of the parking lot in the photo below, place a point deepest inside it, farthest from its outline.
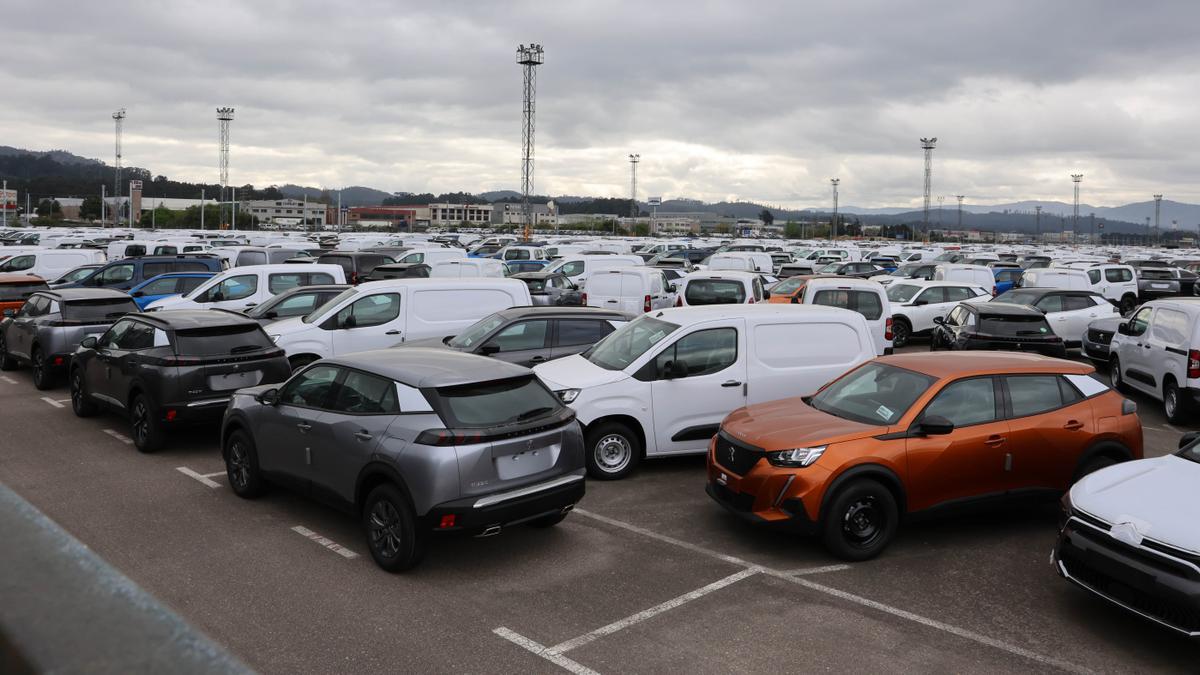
(648, 575)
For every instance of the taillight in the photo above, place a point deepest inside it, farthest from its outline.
(751, 301)
(583, 299)
(448, 437)
(354, 278)
(1193, 369)
(887, 329)
(679, 301)
(646, 305)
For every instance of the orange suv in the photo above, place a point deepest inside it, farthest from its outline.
(916, 432)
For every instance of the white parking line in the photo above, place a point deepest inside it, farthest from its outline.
(8, 379)
(214, 474)
(120, 437)
(198, 476)
(327, 543)
(53, 402)
(544, 652)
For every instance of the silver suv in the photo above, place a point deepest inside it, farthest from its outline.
(412, 441)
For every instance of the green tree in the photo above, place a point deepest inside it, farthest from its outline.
(766, 217)
(793, 230)
(90, 208)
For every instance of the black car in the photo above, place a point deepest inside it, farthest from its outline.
(173, 367)
(357, 264)
(996, 325)
(399, 271)
(551, 289)
(1097, 341)
(528, 336)
(298, 301)
(862, 270)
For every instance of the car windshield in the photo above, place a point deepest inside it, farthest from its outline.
(902, 292)
(831, 268)
(874, 393)
(788, 286)
(624, 345)
(101, 309)
(1006, 325)
(328, 306)
(905, 271)
(1018, 297)
(1191, 451)
(476, 333)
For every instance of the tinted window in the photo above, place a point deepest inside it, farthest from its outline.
(251, 258)
(932, 296)
(278, 283)
(365, 394)
(297, 305)
(18, 264)
(310, 388)
(873, 394)
(15, 292)
(965, 402)
(958, 293)
(137, 336)
(233, 288)
(572, 332)
(572, 269)
(135, 250)
(116, 274)
(489, 404)
(701, 353)
(151, 270)
(1050, 303)
(715, 292)
(1073, 303)
(901, 292)
(1118, 275)
(1140, 321)
(1032, 394)
(317, 278)
(103, 309)
(112, 335)
(1094, 276)
(863, 302)
(165, 250)
(192, 266)
(373, 310)
(535, 285)
(1014, 326)
(221, 340)
(521, 336)
(160, 287)
(189, 284)
(346, 263)
(35, 306)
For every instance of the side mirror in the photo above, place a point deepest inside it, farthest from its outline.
(674, 370)
(1123, 328)
(268, 397)
(766, 294)
(8, 314)
(138, 294)
(86, 343)
(919, 303)
(935, 425)
(939, 320)
(489, 349)
(1188, 438)
(349, 322)
(271, 315)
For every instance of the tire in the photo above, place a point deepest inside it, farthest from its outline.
(42, 379)
(860, 521)
(1127, 305)
(81, 405)
(612, 451)
(391, 529)
(7, 362)
(548, 521)
(901, 333)
(1093, 465)
(144, 426)
(1115, 378)
(241, 466)
(1176, 403)
(300, 360)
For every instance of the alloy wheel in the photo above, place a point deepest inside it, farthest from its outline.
(387, 535)
(39, 367)
(239, 465)
(141, 422)
(899, 334)
(612, 453)
(77, 390)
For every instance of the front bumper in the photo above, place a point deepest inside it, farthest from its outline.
(483, 513)
(1094, 350)
(1154, 581)
(762, 494)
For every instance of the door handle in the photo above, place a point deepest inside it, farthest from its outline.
(392, 332)
(1073, 425)
(304, 427)
(731, 383)
(363, 436)
(537, 359)
(995, 440)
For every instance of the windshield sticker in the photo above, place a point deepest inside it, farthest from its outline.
(884, 412)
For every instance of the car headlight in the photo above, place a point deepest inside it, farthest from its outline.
(567, 395)
(796, 457)
(275, 338)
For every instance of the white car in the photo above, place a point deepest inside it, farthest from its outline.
(241, 288)
(1130, 537)
(1068, 312)
(661, 384)
(917, 302)
(1157, 352)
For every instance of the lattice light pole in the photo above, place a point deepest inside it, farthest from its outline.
(1157, 205)
(835, 182)
(1037, 222)
(633, 162)
(119, 128)
(1076, 178)
(959, 198)
(529, 58)
(224, 118)
(927, 145)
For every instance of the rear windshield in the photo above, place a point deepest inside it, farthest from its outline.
(490, 404)
(1014, 326)
(346, 262)
(535, 285)
(221, 340)
(1157, 274)
(103, 309)
(15, 292)
(715, 292)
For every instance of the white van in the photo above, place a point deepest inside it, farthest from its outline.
(431, 255)
(720, 288)
(633, 290)
(380, 314)
(864, 296)
(1116, 283)
(51, 263)
(241, 288)
(467, 268)
(130, 248)
(742, 261)
(971, 274)
(661, 384)
(1157, 352)
(579, 267)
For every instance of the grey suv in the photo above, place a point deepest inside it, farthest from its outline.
(412, 441)
(51, 324)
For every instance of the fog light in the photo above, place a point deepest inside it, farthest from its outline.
(170, 415)
(58, 360)
(447, 521)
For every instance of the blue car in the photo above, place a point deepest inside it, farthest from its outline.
(1006, 278)
(166, 285)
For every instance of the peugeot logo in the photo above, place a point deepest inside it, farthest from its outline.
(528, 446)
(732, 454)
(1127, 533)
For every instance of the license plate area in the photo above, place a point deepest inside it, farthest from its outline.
(230, 381)
(524, 457)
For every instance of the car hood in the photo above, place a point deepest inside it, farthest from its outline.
(575, 372)
(1156, 495)
(1109, 324)
(792, 423)
(428, 343)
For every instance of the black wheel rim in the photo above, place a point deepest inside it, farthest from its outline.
(76, 390)
(864, 522)
(239, 465)
(386, 533)
(901, 335)
(39, 367)
(141, 422)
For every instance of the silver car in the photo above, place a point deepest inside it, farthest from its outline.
(412, 441)
(48, 328)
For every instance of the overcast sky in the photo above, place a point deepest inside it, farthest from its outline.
(723, 100)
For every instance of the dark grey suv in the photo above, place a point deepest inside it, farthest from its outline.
(47, 330)
(412, 441)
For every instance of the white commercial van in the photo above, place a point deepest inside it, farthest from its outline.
(380, 314)
(1117, 283)
(864, 296)
(633, 290)
(431, 255)
(51, 263)
(467, 268)
(720, 288)
(1157, 352)
(579, 267)
(241, 288)
(743, 261)
(971, 274)
(661, 384)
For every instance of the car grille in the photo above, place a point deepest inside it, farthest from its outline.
(1176, 614)
(1100, 336)
(735, 456)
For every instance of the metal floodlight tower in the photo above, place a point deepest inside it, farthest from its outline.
(633, 162)
(959, 198)
(927, 145)
(1157, 205)
(1076, 178)
(119, 128)
(224, 118)
(1037, 222)
(833, 221)
(529, 59)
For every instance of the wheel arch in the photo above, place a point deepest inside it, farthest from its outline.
(878, 472)
(372, 476)
(1109, 447)
(627, 420)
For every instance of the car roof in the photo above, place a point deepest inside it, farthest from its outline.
(697, 313)
(966, 363)
(1180, 303)
(18, 278)
(1004, 309)
(535, 275)
(422, 367)
(182, 319)
(69, 294)
(559, 312)
(315, 287)
(1040, 291)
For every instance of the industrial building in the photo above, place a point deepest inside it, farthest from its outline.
(286, 211)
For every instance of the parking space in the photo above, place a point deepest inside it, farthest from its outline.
(647, 576)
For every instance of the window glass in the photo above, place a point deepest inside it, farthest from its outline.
(251, 258)
(1094, 276)
(365, 394)
(35, 306)
(701, 353)
(233, 288)
(413, 258)
(1014, 326)
(160, 287)
(495, 403)
(1170, 326)
(373, 310)
(278, 283)
(139, 336)
(473, 334)
(191, 267)
(715, 292)
(520, 336)
(189, 284)
(898, 292)
(933, 296)
(1050, 303)
(228, 339)
(151, 270)
(135, 250)
(573, 332)
(873, 394)
(1086, 384)
(1117, 274)
(114, 334)
(117, 274)
(955, 317)
(317, 278)
(98, 309)
(297, 305)
(1032, 394)
(958, 293)
(1140, 321)
(625, 345)
(572, 269)
(1072, 303)
(965, 402)
(18, 263)
(310, 388)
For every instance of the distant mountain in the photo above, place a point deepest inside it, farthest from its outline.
(497, 195)
(60, 156)
(355, 195)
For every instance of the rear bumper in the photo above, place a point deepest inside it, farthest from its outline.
(1056, 349)
(199, 411)
(478, 514)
